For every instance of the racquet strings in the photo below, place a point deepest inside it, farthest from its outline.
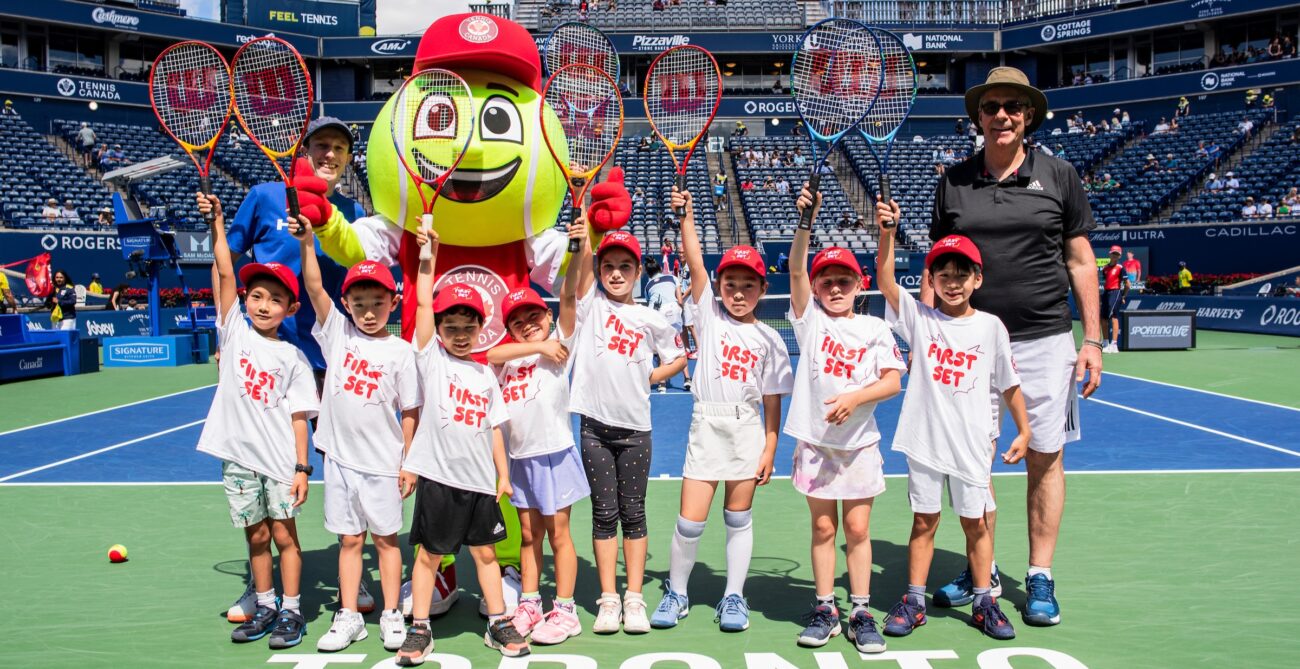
(835, 76)
(681, 94)
(575, 42)
(273, 95)
(190, 90)
(432, 123)
(897, 91)
(590, 113)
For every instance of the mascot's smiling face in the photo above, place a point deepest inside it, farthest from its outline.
(505, 189)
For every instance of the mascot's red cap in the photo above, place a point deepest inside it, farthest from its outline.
(481, 42)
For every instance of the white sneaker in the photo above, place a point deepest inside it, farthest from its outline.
(365, 602)
(609, 613)
(348, 626)
(392, 627)
(512, 588)
(444, 593)
(243, 609)
(635, 620)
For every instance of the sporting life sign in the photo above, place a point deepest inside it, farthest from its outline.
(1158, 330)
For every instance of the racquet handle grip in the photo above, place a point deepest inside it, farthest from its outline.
(681, 188)
(205, 187)
(426, 226)
(291, 198)
(814, 182)
(575, 243)
(884, 197)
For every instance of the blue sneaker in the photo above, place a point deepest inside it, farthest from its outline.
(256, 627)
(289, 630)
(732, 614)
(1040, 603)
(823, 623)
(961, 590)
(906, 616)
(863, 629)
(987, 616)
(672, 608)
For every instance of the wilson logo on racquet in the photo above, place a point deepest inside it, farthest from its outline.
(478, 29)
(271, 91)
(192, 90)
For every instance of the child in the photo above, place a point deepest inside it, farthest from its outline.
(370, 405)
(959, 357)
(258, 426)
(545, 464)
(612, 375)
(742, 364)
(457, 461)
(848, 363)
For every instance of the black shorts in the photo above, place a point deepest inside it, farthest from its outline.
(447, 518)
(1112, 302)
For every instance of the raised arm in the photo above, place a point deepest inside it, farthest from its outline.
(800, 287)
(682, 201)
(888, 284)
(578, 273)
(224, 289)
(424, 327)
(320, 300)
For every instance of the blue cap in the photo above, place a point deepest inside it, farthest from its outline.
(328, 122)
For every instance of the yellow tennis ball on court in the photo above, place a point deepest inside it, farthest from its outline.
(117, 553)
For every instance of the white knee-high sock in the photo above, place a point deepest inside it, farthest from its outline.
(686, 540)
(740, 548)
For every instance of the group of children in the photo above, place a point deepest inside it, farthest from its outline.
(428, 419)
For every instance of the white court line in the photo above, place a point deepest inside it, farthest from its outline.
(1194, 426)
(102, 450)
(1105, 373)
(92, 413)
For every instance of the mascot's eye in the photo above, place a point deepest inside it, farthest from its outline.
(436, 118)
(501, 121)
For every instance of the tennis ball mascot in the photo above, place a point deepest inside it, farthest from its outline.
(496, 216)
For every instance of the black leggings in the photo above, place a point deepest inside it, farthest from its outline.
(617, 461)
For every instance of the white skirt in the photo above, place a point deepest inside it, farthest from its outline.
(725, 443)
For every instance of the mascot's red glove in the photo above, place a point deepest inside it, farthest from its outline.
(313, 194)
(611, 206)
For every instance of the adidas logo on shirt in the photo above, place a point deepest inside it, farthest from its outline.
(1035, 185)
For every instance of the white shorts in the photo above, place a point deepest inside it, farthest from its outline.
(925, 488)
(1046, 367)
(357, 502)
(833, 473)
(673, 314)
(688, 317)
(726, 442)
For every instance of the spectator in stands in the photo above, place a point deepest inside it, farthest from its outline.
(1268, 101)
(1161, 127)
(1288, 47)
(1265, 208)
(64, 298)
(115, 299)
(720, 190)
(1114, 118)
(1294, 290)
(777, 89)
(948, 157)
(741, 130)
(670, 223)
(1108, 182)
(105, 216)
(638, 196)
(1103, 126)
(1171, 163)
(1213, 151)
(769, 183)
(114, 159)
(644, 145)
(1173, 125)
(1088, 183)
(940, 169)
(1184, 277)
(1249, 210)
(86, 139)
(798, 159)
(1292, 197)
(1125, 120)
(1232, 183)
(1284, 210)
(1184, 107)
(782, 186)
(1201, 152)
(1214, 184)
(960, 128)
(844, 222)
(1152, 165)
(50, 212)
(747, 184)
(1275, 48)
(9, 109)
(95, 287)
(68, 214)
(7, 301)
(1221, 58)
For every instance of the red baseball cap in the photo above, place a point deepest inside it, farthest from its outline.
(1117, 249)
(835, 255)
(275, 270)
(520, 298)
(743, 256)
(369, 270)
(481, 42)
(620, 239)
(459, 295)
(958, 244)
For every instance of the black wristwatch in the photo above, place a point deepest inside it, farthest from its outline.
(306, 469)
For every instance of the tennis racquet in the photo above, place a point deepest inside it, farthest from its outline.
(432, 125)
(189, 87)
(576, 42)
(835, 79)
(586, 103)
(273, 99)
(682, 90)
(897, 95)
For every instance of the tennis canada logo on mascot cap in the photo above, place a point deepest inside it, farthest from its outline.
(478, 29)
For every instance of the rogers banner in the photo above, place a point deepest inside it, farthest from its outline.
(309, 17)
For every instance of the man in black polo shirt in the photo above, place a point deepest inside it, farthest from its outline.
(1029, 216)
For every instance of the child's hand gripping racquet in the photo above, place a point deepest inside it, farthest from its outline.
(897, 94)
(585, 102)
(576, 42)
(682, 90)
(273, 99)
(189, 87)
(432, 125)
(835, 79)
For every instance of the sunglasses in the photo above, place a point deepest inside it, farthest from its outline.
(1013, 107)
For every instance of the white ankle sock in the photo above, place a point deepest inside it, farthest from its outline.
(1045, 571)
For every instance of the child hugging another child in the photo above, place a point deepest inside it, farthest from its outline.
(743, 370)
(848, 363)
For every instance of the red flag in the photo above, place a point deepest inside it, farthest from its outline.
(39, 283)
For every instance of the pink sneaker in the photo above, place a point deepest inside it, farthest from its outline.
(559, 625)
(528, 615)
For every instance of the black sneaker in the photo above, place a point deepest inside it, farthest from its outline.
(416, 647)
(289, 630)
(256, 627)
(503, 636)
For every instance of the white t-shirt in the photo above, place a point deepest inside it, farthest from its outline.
(946, 421)
(453, 444)
(838, 355)
(369, 381)
(261, 383)
(737, 362)
(536, 393)
(613, 358)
